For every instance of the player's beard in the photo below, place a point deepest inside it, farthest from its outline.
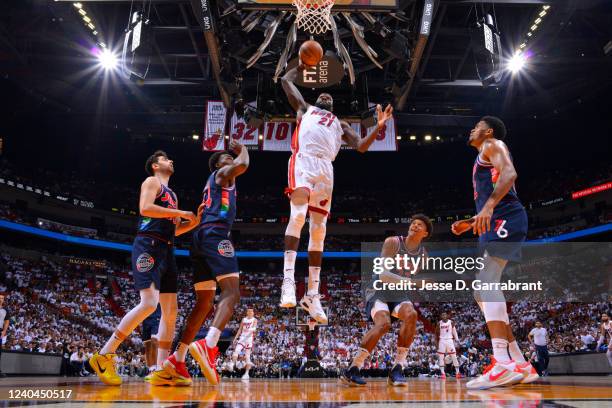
(323, 105)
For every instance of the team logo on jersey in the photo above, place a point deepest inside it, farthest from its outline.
(168, 198)
(226, 248)
(144, 262)
(144, 222)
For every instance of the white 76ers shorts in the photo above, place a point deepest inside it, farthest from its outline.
(446, 346)
(317, 175)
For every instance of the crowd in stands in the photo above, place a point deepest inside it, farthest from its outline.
(70, 309)
(269, 201)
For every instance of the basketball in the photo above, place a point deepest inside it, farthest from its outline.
(311, 53)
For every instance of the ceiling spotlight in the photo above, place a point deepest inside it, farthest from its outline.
(427, 138)
(538, 20)
(260, 137)
(91, 26)
(82, 12)
(412, 137)
(438, 138)
(107, 59)
(534, 27)
(542, 13)
(77, 5)
(516, 63)
(195, 136)
(529, 34)
(95, 32)
(86, 19)
(398, 137)
(545, 7)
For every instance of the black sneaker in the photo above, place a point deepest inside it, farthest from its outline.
(352, 378)
(396, 377)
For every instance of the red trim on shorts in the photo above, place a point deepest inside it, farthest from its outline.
(318, 210)
(295, 148)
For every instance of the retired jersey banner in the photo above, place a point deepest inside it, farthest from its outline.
(240, 132)
(214, 127)
(277, 136)
(385, 140)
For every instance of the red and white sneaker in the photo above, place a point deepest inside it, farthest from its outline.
(496, 375)
(178, 370)
(206, 358)
(529, 372)
(443, 376)
(458, 375)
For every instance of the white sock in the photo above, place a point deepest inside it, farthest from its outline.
(441, 362)
(111, 345)
(313, 279)
(212, 337)
(289, 265)
(515, 352)
(162, 355)
(500, 350)
(360, 358)
(400, 358)
(181, 352)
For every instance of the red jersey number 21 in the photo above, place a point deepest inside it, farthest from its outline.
(326, 122)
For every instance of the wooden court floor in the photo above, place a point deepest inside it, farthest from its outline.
(578, 391)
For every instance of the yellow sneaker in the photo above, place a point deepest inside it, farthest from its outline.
(163, 377)
(104, 366)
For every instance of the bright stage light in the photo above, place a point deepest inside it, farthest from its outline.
(107, 59)
(516, 63)
(427, 138)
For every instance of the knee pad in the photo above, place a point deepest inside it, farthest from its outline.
(297, 219)
(495, 311)
(318, 228)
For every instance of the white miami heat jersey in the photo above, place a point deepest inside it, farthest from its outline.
(249, 325)
(318, 134)
(446, 330)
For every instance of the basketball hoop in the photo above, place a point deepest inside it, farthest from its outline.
(313, 15)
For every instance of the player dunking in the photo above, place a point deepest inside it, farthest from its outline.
(381, 312)
(243, 341)
(153, 265)
(446, 333)
(605, 330)
(315, 144)
(501, 218)
(214, 262)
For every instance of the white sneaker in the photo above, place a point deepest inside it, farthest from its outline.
(245, 376)
(312, 304)
(288, 293)
(496, 375)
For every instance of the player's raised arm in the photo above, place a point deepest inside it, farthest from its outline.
(148, 191)
(293, 93)
(238, 167)
(362, 145)
(497, 153)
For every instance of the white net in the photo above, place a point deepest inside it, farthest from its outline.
(313, 15)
